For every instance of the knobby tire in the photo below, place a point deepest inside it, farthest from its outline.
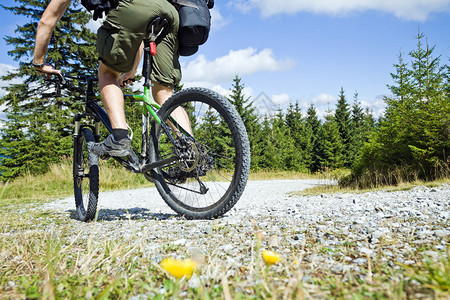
(218, 128)
(85, 177)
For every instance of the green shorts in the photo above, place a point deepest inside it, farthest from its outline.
(121, 34)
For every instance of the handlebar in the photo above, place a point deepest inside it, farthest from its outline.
(62, 80)
(63, 77)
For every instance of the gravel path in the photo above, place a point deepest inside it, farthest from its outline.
(394, 223)
(337, 233)
(259, 196)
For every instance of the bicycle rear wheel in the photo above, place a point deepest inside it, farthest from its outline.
(212, 176)
(85, 176)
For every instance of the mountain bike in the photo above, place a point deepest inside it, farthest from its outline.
(200, 172)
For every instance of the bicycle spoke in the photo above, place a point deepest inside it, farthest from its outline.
(204, 182)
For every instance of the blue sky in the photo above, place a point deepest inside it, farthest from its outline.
(302, 50)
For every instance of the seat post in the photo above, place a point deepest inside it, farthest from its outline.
(156, 30)
(148, 61)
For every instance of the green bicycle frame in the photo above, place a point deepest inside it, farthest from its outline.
(148, 103)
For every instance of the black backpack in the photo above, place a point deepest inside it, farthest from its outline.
(99, 6)
(195, 20)
(195, 23)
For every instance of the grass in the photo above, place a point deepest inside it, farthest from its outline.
(49, 255)
(403, 186)
(58, 183)
(51, 261)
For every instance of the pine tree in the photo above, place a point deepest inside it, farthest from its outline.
(278, 151)
(312, 120)
(313, 125)
(330, 147)
(413, 134)
(358, 135)
(248, 114)
(343, 121)
(47, 108)
(301, 138)
(13, 143)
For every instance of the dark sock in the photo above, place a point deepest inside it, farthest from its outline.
(120, 134)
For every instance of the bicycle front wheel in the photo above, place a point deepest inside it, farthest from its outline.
(85, 176)
(212, 174)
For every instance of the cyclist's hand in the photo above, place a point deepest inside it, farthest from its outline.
(126, 78)
(48, 69)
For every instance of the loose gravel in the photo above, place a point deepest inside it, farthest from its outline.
(379, 225)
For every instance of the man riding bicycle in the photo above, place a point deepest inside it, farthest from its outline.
(120, 47)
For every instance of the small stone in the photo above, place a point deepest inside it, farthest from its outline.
(439, 247)
(432, 254)
(337, 269)
(307, 279)
(273, 241)
(441, 233)
(365, 250)
(360, 261)
(400, 260)
(299, 237)
(378, 209)
(227, 247)
(157, 258)
(208, 230)
(180, 242)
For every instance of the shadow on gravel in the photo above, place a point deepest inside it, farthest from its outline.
(136, 213)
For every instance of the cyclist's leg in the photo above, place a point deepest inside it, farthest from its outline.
(161, 93)
(117, 144)
(112, 96)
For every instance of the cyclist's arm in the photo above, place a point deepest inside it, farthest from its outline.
(50, 17)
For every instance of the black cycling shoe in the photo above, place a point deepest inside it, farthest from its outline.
(111, 147)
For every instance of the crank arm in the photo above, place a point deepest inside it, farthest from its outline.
(156, 164)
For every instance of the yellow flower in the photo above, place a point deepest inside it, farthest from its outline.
(179, 268)
(270, 257)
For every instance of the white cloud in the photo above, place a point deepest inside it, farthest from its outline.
(280, 99)
(377, 106)
(4, 69)
(236, 62)
(323, 99)
(217, 20)
(94, 25)
(405, 9)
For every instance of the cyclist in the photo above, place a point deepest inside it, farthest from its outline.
(120, 47)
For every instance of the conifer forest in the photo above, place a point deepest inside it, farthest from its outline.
(409, 141)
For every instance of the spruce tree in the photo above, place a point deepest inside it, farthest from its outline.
(313, 125)
(312, 120)
(329, 145)
(248, 114)
(300, 137)
(343, 121)
(413, 134)
(358, 134)
(13, 144)
(46, 107)
(278, 154)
